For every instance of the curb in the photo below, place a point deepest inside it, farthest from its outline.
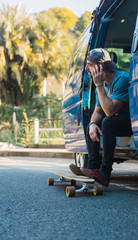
(44, 153)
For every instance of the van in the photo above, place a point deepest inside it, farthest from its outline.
(114, 26)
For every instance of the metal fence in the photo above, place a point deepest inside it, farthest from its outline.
(48, 130)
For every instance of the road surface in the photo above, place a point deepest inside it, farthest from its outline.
(32, 210)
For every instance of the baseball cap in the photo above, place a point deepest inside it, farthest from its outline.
(100, 55)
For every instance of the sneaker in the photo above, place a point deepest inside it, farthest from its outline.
(76, 170)
(95, 173)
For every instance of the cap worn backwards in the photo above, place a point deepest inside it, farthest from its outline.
(100, 55)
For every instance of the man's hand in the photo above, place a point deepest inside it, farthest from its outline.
(93, 132)
(98, 74)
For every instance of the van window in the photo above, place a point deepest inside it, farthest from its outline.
(121, 59)
(78, 56)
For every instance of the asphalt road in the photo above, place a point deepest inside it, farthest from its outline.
(32, 210)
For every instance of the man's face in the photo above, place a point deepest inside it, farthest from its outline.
(89, 67)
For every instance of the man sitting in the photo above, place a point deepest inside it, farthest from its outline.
(110, 118)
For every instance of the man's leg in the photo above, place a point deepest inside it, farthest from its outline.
(94, 159)
(117, 125)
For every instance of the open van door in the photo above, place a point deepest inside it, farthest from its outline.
(133, 89)
(72, 102)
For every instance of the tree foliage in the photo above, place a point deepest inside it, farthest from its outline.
(58, 45)
(82, 23)
(65, 17)
(20, 63)
(32, 46)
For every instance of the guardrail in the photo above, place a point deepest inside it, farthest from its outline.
(51, 123)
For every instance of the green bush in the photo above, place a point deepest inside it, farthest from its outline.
(39, 107)
(7, 135)
(25, 116)
(26, 131)
(6, 112)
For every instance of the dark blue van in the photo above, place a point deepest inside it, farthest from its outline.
(114, 26)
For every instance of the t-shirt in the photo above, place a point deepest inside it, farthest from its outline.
(118, 89)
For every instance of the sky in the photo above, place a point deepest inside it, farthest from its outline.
(36, 6)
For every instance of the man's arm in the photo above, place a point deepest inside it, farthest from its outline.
(94, 130)
(110, 107)
(97, 115)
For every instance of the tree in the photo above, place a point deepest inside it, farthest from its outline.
(31, 47)
(65, 17)
(82, 23)
(56, 25)
(17, 56)
(58, 46)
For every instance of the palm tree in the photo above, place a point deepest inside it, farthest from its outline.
(58, 46)
(31, 47)
(17, 56)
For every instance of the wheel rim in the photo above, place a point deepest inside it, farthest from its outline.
(67, 192)
(77, 158)
(50, 181)
(95, 192)
(70, 191)
(98, 190)
(80, 159)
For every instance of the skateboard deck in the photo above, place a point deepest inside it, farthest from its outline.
(72, 179)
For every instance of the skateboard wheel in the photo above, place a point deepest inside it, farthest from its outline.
(72, 182)
(70, 191)
(50, 181)
(98, 190)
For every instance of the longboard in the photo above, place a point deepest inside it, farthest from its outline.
(72, 179)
